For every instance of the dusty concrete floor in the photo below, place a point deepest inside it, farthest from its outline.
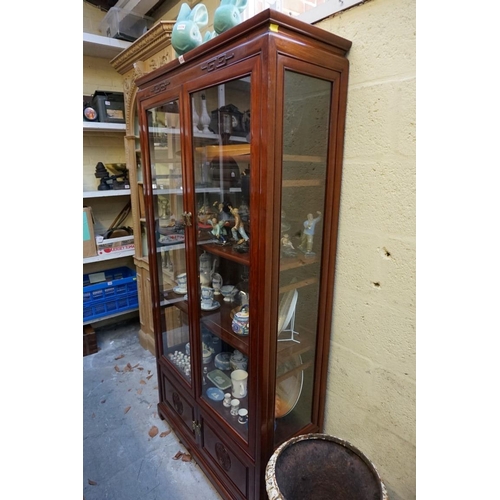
(121, 459)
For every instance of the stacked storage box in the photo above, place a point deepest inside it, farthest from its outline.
(109, 292)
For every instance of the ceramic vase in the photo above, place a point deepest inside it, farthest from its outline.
(196, 118)
(205, 117)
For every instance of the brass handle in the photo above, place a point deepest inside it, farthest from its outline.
(187, 218)
(196, 427)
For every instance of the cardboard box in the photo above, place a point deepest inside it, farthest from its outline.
(114, 245)
(89, 340)
(89, 246)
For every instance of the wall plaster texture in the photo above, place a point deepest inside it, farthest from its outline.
(371, 390)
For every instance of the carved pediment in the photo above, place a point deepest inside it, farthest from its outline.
(154, 40)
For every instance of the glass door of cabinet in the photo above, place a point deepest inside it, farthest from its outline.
(141, 240)
(306, 131)
(222, 170)
(169, 227)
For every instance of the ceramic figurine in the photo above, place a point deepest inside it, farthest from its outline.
(228, 14)
(238, 228)
(308, 234)
(287, 247)
(186, 33)
(218, 230)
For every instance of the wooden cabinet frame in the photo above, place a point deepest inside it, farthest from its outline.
(263, 49)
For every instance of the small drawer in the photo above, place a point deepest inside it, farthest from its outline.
(178, 404)
(228, 462)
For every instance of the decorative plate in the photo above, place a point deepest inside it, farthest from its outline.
(215, 394)
(288, 389)
(169, 239)
(179, 290)
(220, 379)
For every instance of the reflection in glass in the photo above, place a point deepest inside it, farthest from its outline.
(168, 202)
(306, 128)
(222, 166)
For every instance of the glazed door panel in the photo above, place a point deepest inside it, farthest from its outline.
(307, 108)
(221, 166)
(170, 221)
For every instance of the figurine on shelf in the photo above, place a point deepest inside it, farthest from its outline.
(239, 227)
(308, 233)
(164, 207)
(224, 210)
(218, 230)
(287, 247)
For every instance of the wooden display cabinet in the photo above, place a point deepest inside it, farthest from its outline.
(252, 120)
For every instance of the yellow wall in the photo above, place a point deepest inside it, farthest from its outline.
(372, 375)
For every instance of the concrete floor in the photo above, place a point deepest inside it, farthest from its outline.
(121, 461)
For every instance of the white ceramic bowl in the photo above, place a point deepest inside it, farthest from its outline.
(228, 290)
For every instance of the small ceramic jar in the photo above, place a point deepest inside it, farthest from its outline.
(240, 323)
(207, 356)
(238, 361)
(243, 416)
(235, 406)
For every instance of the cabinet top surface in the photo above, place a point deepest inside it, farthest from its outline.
(273, 20)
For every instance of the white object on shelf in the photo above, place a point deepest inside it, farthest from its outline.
(114, 255)
(107, 193)
(104, 127)
(103, 46)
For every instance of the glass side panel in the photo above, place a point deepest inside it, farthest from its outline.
(167, 182)
(305, 142)
(141, 240)
(222, 166)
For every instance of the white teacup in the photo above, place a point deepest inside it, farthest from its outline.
(207, 293)
(239, 379)
(207, 304)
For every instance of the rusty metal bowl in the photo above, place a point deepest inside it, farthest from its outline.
(322, 467)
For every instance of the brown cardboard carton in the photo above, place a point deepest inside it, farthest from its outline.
(114, 245)
(89, 246)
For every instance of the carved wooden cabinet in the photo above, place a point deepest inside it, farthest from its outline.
(147, 53)
(242, 142)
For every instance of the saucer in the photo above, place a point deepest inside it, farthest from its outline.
(215, 394)
(215, 305)
(179, 290)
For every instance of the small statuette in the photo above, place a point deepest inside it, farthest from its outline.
(306, 243)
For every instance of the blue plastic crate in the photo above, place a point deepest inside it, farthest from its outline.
(116, 293)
